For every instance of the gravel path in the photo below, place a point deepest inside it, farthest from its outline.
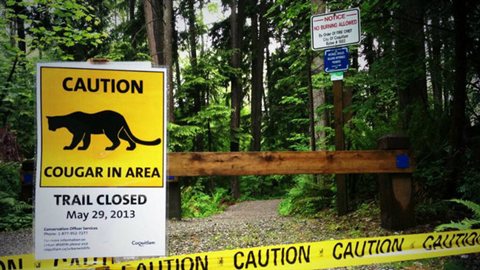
(246, 224)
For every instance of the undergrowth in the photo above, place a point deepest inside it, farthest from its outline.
(306, 198)
(14, 213)
(198, 203)
(467, 223)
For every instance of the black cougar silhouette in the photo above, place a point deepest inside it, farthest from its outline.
(83, 125)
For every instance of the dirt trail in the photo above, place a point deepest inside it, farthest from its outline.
(251, 210)
(245, 224)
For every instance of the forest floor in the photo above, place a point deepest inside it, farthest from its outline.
(257, 223)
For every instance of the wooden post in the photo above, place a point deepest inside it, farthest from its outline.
(342, 198)
(174, 200)
(396, 189)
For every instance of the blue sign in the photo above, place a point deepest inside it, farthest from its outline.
(337, 59)
(403, 161)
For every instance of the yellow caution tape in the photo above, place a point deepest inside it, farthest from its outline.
(315, 255)
(27, 262)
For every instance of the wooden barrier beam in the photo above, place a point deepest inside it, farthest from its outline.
(271, 163)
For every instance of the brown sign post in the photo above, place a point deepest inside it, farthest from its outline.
(334, 30)
(340, 179)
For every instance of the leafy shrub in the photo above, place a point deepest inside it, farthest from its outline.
(430, 211)
(14, 214)
(467, 223)
(264, 187)
(197, 203)
(10, 178)
(470, 184)
(307, 198)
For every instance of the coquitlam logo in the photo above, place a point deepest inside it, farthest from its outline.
(143, 243)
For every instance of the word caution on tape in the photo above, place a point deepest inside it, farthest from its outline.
(315, 255)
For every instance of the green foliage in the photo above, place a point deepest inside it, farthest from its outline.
(467, 223)
(17, 97)
(213, 122)
(307, 198)
(14, 214)
(181, 136)
(10, 178)
(373, 109)
(428, 211)
(264, 187)
(66, 29)
(198, 203)
(470, 184)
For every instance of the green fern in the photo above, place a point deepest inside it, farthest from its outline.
(470, 205)
(467, 223)
(14, 214)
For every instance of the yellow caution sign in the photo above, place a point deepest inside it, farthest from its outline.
(315, 255)
(101, 127)
(101, 160)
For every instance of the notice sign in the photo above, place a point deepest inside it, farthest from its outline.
(335, 29)
(101, 160)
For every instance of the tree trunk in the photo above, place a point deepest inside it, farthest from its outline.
(154, 22)
(317, 94)
(131, 9)
(410, 47)
(236, 23)
(198, 144)
(435, 63)
(22, 45)
(459, 121)
(169, 28)
(258, 48)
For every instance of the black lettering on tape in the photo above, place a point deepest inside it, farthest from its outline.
(185, 263)
(262, 257)
(451, 240)
(11, 264)
(356, 249)
(236, 259)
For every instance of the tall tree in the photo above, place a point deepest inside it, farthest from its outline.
(434, 43)
(169, 54)
(237, 21)
(458, 118)
(259, 36)
(317, 94)
(410, 53)
(20, 14)
(155, 30)
(197, 91)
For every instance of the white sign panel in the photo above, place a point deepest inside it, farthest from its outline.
(335, 29)
(101, 160)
